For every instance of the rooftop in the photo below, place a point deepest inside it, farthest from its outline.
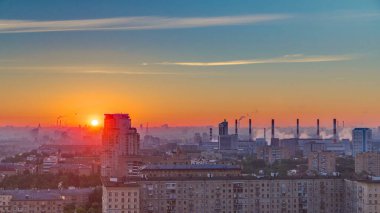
(44, 194)
(33, 195)
(192, 167)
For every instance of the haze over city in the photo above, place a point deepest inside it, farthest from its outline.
(190, 63)
(201, 106)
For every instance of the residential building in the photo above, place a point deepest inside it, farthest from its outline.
(42, 200)
(361, 196)
(221, 194)
(362, 140)
(120, 141)
(368, 162)
(34, 201)
(121, 198)
(223, 128)
(322, 162)
(49, 162)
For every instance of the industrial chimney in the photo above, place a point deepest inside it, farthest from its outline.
(298, 128)
(210, 134)
(318, 135)
(236, 126)
(272, 128)
(335, 137)
(250, 129)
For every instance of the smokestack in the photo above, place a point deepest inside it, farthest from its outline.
(250, 129)
(272, 128)
(318, 128)
(210, 134)
(334, 130)
(298, 128)
(236, 126)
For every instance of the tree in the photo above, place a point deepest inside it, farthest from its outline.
(80, 210)
(70, 208)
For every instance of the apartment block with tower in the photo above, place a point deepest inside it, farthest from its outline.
(121, 143)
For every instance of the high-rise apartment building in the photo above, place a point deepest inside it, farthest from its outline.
(223, 128)
(361, 196)
(368, 162)
(120, 143)
(362, 140)
(322, 162)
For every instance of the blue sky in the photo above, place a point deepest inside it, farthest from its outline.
(317, 27)
(267, 46)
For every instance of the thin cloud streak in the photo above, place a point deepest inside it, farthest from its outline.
(89, 70)
(132, 23)
(284, 59)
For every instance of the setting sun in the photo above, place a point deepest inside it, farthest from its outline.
(94, 122)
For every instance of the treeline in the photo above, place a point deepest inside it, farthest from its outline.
(94, 204)
(22, 157)
(345, 166)
(251, 165)
(49, 181)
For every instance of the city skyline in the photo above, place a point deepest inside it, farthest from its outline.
(191, 63)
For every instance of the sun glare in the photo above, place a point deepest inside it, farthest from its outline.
(94, 122)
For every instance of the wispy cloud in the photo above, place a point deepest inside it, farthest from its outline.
(299, 58)
(96, 70)
(132, 23)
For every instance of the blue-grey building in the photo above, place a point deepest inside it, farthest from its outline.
(362, 140)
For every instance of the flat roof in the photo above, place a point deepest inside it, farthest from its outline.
(32, 195)
(44, 194)
(192, 167)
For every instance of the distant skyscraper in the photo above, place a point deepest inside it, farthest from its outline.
(223, 128)
(361, 138)
(120, 141)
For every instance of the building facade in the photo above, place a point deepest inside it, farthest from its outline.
(362, 196)
(120, 141)
(231, 195)
(223, 128)
(368, 162)
(362, 140)
(322, 162)
(43, 200)
(121, 198)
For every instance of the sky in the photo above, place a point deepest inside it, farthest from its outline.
(190, 62)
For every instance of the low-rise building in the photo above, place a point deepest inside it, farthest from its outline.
(76, 196)
(49, 162)
(36, 201)
(42, 201)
